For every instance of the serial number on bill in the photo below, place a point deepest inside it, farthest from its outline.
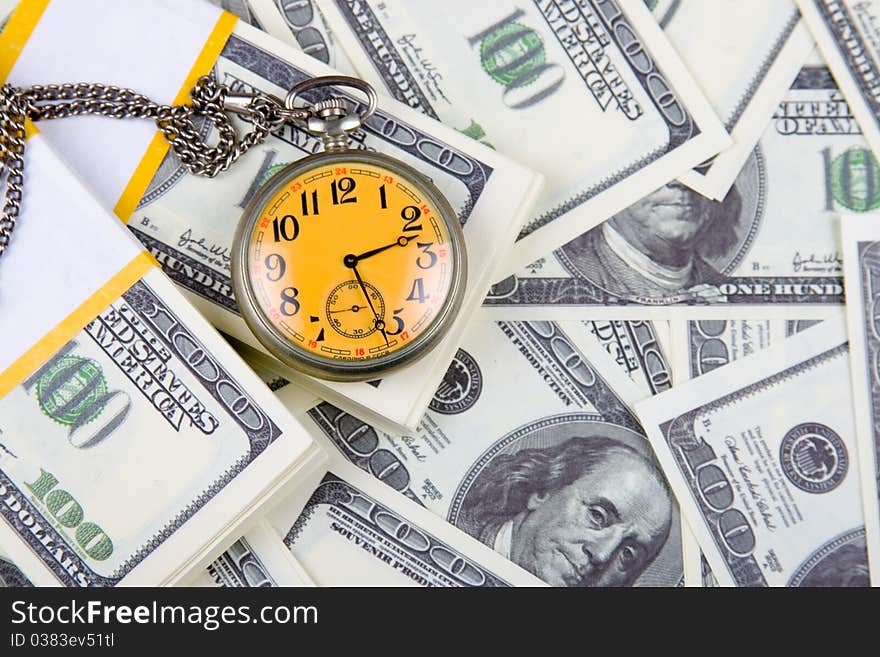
(62, 640)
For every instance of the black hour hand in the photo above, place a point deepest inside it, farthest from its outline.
(351, 260)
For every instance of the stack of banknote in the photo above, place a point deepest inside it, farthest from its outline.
(666, 370)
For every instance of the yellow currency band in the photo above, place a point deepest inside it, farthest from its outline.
(19, 29)
(158, 147)
(67, 328)
(17, 32)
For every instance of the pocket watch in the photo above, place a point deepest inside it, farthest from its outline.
(347, 263)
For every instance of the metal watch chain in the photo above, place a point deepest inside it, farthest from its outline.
(329, 118)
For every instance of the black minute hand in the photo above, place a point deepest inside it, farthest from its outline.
(380, 325)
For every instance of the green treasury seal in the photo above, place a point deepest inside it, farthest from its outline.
(855, 180)
(512, 54)
(73, 391)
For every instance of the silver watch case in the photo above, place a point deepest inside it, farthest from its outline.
(287, 351)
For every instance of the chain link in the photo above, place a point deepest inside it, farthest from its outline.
(207, 99)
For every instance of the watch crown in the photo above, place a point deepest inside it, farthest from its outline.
(329, 108)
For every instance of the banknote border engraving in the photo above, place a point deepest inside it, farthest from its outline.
(335, 491)
(320, 415)
(869, 272)
(696, 338)
(848, 32)
(227, 569)
(544, 343)
(765, 67)
(174, 333)
(11, 575)
(680, 430)
(537, 292)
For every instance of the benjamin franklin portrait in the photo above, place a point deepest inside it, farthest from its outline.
(662, 245)
(587, 511)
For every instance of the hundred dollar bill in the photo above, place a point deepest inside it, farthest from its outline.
(256, 560)
(861, 249)
(848, 33)
(133, 440)
(352, 531)
(187, 222)
(762, 457)
(519, 480)
(744, 54)
(700, 347)
(590, 93)
(675, 254)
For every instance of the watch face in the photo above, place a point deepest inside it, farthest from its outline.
(349, 263)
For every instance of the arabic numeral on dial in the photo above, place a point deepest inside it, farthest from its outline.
(398, 323)
(417, 293)
(286, 228)
(346, 187)
(304, 200)
(383, 200)
(410, 214)
(289, 305)
(275, 265)
(426, 251)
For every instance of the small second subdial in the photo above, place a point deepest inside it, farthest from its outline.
(355, 312)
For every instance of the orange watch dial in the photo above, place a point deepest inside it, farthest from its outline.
(350, 262)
